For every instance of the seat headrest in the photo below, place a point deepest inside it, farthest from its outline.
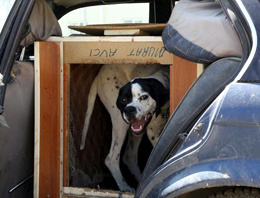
(43, 24)
(200, 31)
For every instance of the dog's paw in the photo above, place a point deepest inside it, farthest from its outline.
(82, 146)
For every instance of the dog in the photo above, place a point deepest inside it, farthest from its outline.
(136, 97)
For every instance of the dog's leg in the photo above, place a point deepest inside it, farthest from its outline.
(91, 101)
(111, 78)
(130, 157)
(113, 158)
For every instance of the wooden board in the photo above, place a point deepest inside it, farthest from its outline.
(87, 192)
(114, 50)
(49, 131)
(37, 121)
(134, 32)
(98, 30)
(182, 75)
(116, 53)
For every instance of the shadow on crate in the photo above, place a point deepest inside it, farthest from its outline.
(87, 167)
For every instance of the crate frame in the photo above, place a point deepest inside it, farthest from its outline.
(52, 60)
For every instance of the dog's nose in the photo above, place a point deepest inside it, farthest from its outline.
(130, 110)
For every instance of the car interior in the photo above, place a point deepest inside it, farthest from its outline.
(86, 169)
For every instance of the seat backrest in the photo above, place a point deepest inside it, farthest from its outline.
(201, 94)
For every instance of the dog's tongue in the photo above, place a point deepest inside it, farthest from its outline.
(137, 125)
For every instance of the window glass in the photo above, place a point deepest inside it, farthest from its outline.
(105, 14)
(5, 7)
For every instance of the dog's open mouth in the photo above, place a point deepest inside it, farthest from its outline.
(138, 126)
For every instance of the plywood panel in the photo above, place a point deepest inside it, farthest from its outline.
(136, 32)
(37, 120)
(182, 74)
(97, 193)
(98, 30)
(116, 53)
(49, 176)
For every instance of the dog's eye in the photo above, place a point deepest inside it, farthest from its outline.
(123, 100)
(144, 97)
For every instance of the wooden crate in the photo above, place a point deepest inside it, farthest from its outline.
(52, 77)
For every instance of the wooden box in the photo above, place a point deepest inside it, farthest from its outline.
(57, 62)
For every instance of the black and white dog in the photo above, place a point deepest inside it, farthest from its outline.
(141, 94)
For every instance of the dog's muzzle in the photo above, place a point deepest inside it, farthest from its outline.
(130, 112)
(137, 125)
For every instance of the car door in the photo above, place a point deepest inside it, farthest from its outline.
(16, 153)
(14, 29)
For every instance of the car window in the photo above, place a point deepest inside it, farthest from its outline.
(105, 14)
(5, 7)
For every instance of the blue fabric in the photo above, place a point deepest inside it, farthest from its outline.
(175, 43)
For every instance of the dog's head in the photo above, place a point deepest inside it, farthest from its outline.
(139, 99)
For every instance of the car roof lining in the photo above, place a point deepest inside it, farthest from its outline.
(69, 3)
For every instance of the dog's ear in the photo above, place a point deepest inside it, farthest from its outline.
(160, 94)
(118, 101)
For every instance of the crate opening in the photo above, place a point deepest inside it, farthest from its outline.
(86, 168)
